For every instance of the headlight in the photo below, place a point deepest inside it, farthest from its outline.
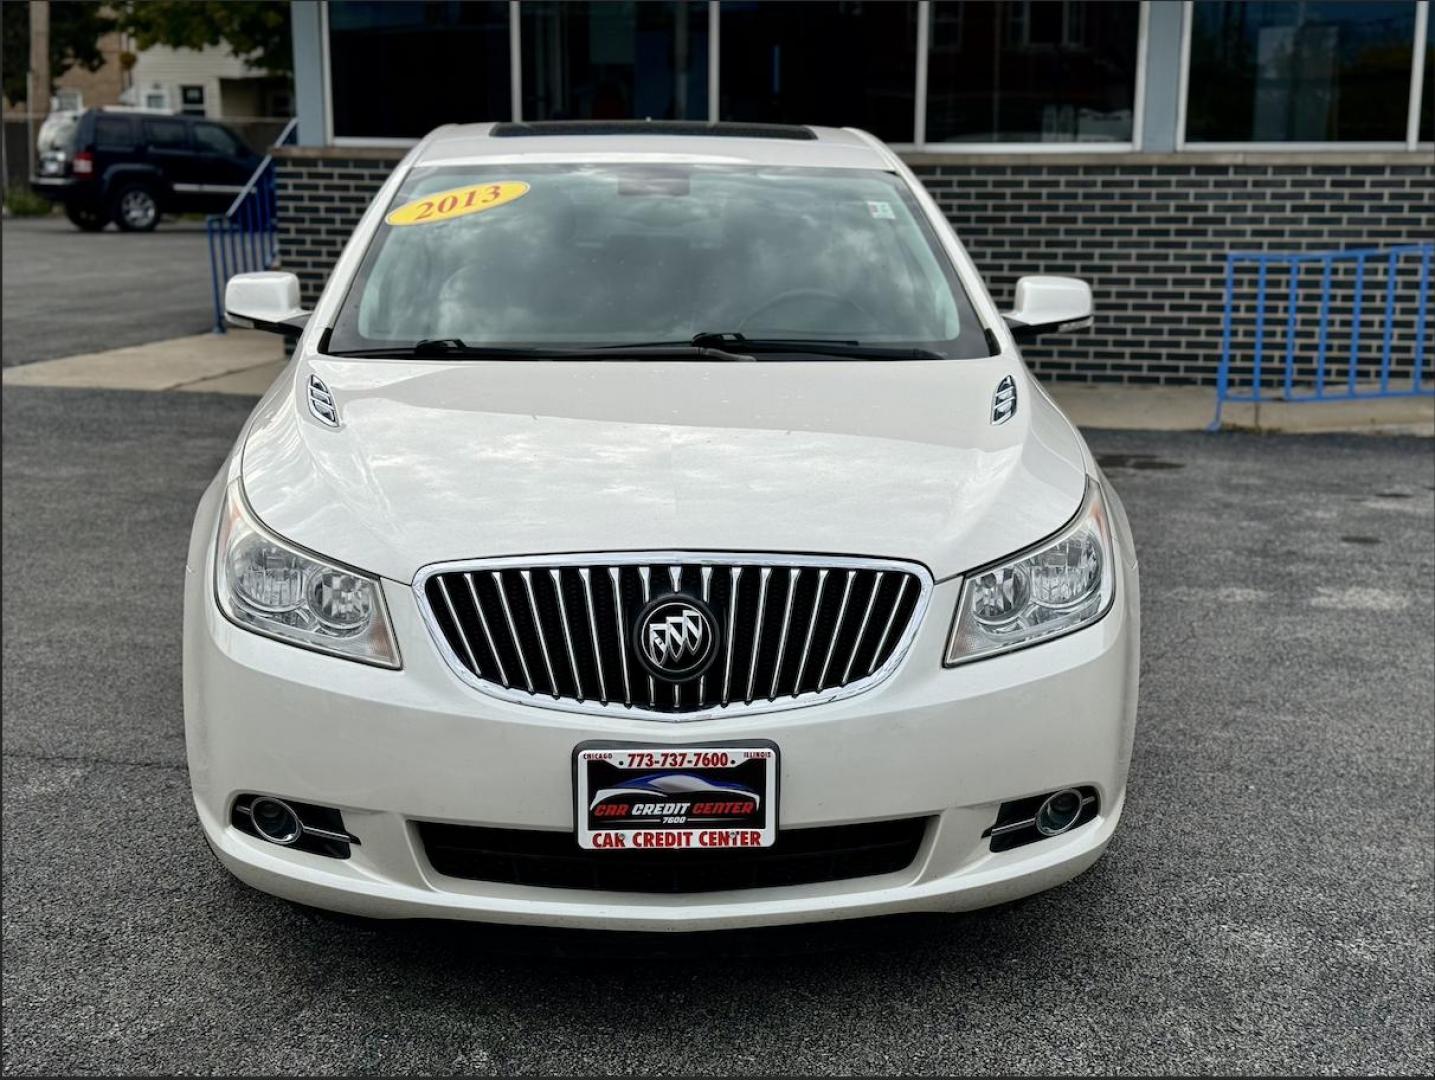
(1061, 585)
(273, 588)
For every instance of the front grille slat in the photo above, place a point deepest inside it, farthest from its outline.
(837, 629)
(784, 630)
(513, 628)
(487, 632)
(585, 575)
(616, 579)
(862, 628)
(887, 629)
(792, 576)
(458, 628)
(557, 576)
(527, 576)
(763, 578)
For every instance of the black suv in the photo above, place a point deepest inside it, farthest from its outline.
(131, 167)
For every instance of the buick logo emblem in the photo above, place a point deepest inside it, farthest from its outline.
(675, 638)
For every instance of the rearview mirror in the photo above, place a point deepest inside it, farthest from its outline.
(266, 300)
(1049, 304)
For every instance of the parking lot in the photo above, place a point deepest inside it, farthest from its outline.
(68, 292)
(1266, 905)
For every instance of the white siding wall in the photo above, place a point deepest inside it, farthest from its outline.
(170, 69)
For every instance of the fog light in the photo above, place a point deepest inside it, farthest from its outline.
(275, 820)
(1059, 812)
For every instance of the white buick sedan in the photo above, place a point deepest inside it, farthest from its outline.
(657, 529)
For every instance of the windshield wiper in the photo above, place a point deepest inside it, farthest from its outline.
(820, 347)
(456, 349)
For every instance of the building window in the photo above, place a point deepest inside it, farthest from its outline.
(614, 60)
(821, 63)
(448, 62)
(1305, 72)
(1027, 71)
(191, 100)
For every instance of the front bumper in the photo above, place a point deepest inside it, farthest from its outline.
(391, 748)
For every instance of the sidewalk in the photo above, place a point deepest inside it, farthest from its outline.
(247, 361)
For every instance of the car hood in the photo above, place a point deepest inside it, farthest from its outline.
(443, 460)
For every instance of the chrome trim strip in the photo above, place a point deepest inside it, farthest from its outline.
(891, 616)
(643, 575)
(585, 575)
(310, 830)
(811, 626)
(613, 560)
(675, 575)
(735, 574)
(1029, 823)
(452, 614)
(765, 575)
(512, 629)
(487, 633)
(792, 576)
(613, 577)
(527, 576)
(837, 627)
(862, 629)
(557, 577)
(707, 578)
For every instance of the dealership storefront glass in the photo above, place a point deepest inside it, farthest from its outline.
(1000, 75)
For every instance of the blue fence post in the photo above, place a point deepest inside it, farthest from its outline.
(1390, 271)
(1357, 304)
(1223, 373)
(1422, 305)
(1260, 330)
(1324, 327)
(1292, 299)
(214, 275)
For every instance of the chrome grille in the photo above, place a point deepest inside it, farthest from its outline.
(559, 630)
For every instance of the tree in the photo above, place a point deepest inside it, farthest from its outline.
(76, 27)
(257, 31)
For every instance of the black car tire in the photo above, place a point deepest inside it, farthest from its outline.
(88, 218)
(135, 208)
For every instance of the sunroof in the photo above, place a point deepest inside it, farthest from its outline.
(651, 127)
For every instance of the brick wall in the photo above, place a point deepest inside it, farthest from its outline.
(1149, 232)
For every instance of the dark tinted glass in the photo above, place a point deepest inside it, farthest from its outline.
(167, 134)
(1038, 71)
(216, 140)
(614, 61)
(1299, 72)
(401, 69)
(821, 63)
(114, 133)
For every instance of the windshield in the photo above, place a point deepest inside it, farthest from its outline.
(592, 255)
(57, 132)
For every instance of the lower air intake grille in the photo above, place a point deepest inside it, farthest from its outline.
(780, 631)
(553, 860)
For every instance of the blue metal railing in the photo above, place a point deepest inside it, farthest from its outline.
(1305, 376)
(246, 236)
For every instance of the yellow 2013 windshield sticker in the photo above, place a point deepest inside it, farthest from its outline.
(447, 205)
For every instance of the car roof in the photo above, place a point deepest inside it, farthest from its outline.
(679, 142)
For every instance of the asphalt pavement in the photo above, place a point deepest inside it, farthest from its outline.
(67, 291)
(1266, 905)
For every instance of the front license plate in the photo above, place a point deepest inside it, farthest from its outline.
(705, 797)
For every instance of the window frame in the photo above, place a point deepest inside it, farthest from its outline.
(1411, 141)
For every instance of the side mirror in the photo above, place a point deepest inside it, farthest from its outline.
(267, 300)
(1049, 304)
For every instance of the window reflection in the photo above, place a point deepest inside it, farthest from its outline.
(1299, 72)
(1032, 71)
(401, 69)
(821, 63)
(614, 60)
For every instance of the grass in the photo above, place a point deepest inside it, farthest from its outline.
(22, 202)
